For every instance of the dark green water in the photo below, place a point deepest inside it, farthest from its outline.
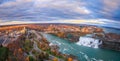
(83, 53)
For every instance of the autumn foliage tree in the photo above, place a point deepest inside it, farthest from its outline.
(70, 59)
(55, 59)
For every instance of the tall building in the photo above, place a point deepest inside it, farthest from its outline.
(24, 30)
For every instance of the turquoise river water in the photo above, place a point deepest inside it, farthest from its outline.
(81, 52)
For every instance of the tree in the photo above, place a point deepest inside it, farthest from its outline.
(70, 59)
(55, 59)
(27, 59)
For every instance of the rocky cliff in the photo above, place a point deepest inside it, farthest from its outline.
(111, 41)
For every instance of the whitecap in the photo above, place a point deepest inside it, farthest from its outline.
(89, 42)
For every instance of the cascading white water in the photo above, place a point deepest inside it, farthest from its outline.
(89, 42)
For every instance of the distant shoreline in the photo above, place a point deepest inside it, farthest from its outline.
(62, 24)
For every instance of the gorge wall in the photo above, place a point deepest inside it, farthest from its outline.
(111, 41)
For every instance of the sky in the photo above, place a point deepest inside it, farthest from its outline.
(94, 12)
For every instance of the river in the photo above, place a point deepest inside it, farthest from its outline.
(81, 52)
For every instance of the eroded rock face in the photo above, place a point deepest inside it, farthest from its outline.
(113, 36)
(111, 41)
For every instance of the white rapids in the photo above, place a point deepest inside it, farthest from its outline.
(89, 42)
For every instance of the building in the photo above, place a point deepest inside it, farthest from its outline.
(23, 30)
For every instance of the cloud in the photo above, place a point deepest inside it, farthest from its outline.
(0, 21)
(85, 21)
(96, 22)
(110, 9)
(48, 10)
(64, 5)
(42, 10)
(27, 22)
(110, 6)
(15, 2)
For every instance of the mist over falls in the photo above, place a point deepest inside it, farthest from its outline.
(89, 42)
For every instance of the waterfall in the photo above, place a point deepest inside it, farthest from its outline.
(89, 42)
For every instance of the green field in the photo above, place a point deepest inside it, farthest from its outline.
(3, 53)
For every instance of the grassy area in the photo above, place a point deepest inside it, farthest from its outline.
(28, 45)
(31, 58)
(3, 53)
(51, 53)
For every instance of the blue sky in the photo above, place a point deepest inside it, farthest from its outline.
(107, 11)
